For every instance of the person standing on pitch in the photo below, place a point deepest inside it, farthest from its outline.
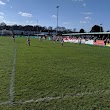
(13, 36)
(28, 40)
(105, 41)
(62, 41)
(79, 40)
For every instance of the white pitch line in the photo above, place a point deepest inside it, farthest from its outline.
(57, 98)
(5, 103)
(12, 78)
(42, 99)
(63, 97)
(39, 100)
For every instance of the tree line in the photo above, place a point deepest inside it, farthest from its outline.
(38, 28)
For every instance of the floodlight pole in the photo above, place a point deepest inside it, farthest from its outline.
(37, 28)
(100, 28)
(57, 19)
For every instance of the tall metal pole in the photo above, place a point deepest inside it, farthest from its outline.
(100, 29)
(37, 28)
(57, 19)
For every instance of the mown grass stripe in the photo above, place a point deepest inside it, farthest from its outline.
(12, 78)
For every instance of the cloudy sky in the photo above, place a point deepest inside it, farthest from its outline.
(72, 13)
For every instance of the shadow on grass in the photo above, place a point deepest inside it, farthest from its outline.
(1, 44)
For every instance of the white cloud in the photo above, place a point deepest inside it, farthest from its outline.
(87, 13)
(1, 17)
(1, 13)
(9, 22)
(25, 14)
(29, 21)
(54, 16)
(2, 3)
(83, 22)
(87, 18)
(84, 4)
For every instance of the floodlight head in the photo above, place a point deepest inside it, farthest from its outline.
(57, 7)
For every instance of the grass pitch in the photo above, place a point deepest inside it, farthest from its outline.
(6, 59)
(76, 75)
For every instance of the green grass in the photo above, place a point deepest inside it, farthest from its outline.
(6, 57)
(46, 69)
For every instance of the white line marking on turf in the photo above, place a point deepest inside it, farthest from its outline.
(12, 78)
(63, 97)
(41, 99)
(59, 97)
(4, 103)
